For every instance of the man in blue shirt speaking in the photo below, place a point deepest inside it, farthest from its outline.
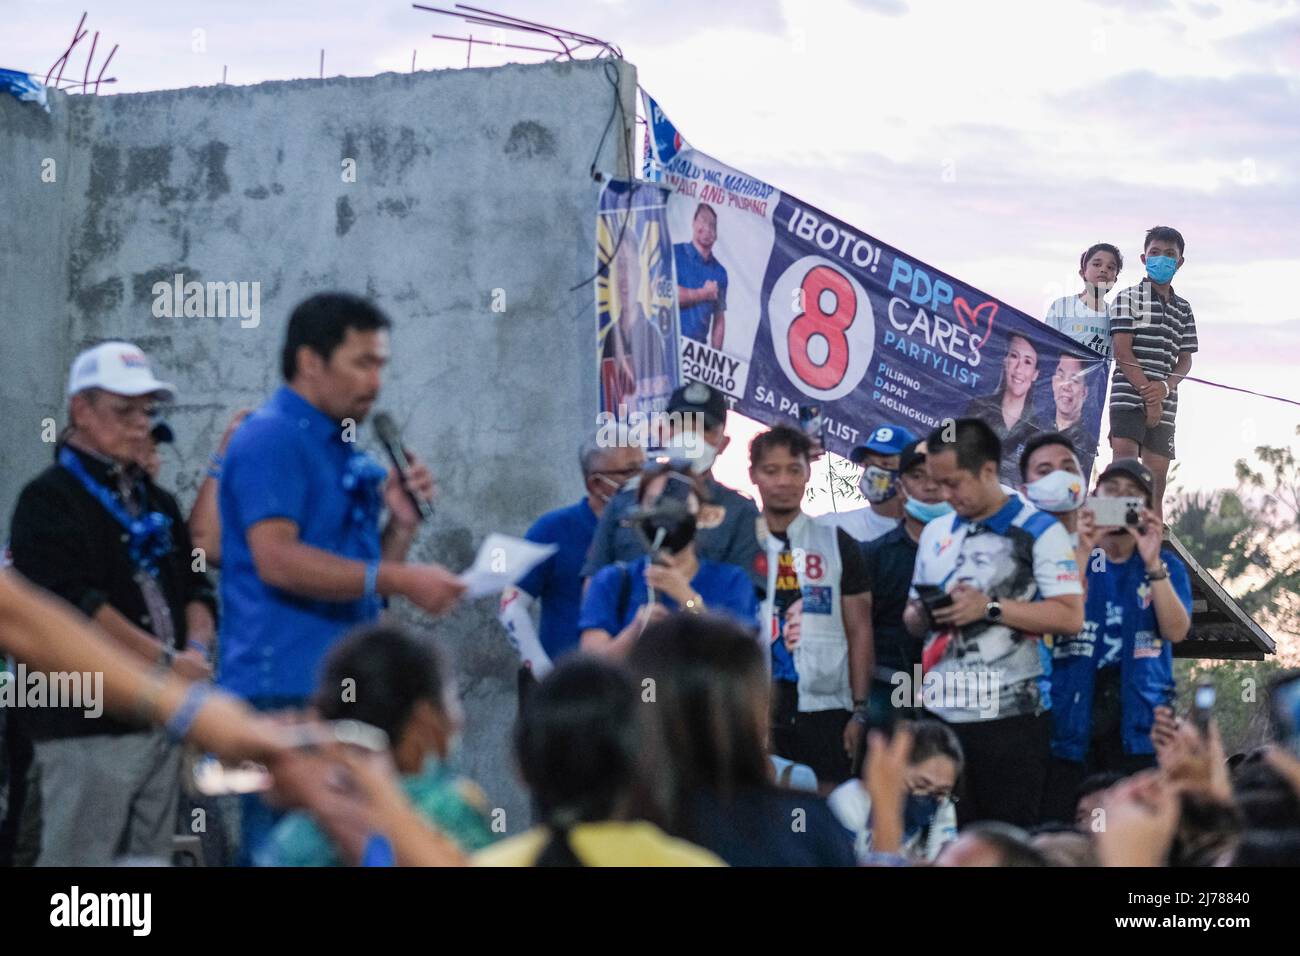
(701, 281)
(303, 555)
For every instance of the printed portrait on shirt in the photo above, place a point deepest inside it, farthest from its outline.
(988, 563)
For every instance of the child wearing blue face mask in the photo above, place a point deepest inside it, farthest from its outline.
(1153, 335)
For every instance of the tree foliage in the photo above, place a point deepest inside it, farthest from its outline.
(1247, 536)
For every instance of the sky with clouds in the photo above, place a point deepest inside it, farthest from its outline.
(1057, 125)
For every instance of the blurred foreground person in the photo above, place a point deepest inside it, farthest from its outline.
(44, 632)
(579, 747)
(390, 680)
(934, 764)
(707, 731)
(992, 843)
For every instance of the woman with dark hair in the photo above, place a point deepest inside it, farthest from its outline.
(579, 748)
(623, 598)
(1009, 411)
(384, 677)
(934, 764)
(707, 735)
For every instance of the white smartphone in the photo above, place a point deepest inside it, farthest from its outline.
(212, 778)
(1115, 512)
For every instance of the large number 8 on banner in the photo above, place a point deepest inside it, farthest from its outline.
(830, 326)
(823, 327)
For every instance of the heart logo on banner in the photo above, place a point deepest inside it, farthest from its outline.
(970, 318)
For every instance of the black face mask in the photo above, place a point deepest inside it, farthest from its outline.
(678, 530)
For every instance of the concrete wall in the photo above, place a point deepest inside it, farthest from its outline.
(467, 181)
(35, 322)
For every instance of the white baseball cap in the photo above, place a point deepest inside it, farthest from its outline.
(117, 367)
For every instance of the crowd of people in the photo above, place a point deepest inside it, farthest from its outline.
(966, 672)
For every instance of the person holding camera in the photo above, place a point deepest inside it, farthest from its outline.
(624, 598)
(1108, 679)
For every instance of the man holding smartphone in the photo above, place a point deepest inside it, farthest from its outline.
(1009, 575)
(1108, 679)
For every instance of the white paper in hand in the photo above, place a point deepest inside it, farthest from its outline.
(501, 561)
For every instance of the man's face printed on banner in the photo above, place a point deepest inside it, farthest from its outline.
(628, 269)
(705, 230)
(1069, 390)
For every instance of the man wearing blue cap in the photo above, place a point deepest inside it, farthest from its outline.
(879, 485)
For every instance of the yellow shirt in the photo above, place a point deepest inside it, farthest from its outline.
(609, 843)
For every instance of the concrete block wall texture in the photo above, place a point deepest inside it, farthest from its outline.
(469, 184)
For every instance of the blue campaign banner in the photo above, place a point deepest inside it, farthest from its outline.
(782, 305)
(636, 300)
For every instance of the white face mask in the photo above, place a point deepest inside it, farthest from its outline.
(1059, 492)
(703, 457)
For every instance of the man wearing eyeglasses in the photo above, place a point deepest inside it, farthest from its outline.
(96, 531)
(557, 581)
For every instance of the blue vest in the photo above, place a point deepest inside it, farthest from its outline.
(1119, 611)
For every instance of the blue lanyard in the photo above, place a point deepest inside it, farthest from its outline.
(150, 534)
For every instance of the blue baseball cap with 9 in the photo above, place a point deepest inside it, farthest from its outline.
(884, 440)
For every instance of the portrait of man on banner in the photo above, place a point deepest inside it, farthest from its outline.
(635, 302)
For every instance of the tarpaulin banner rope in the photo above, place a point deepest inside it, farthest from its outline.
(782, 305)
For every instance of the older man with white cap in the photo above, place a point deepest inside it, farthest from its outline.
(94, 530)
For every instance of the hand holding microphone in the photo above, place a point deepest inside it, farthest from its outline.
(410, 489)
(408, 493)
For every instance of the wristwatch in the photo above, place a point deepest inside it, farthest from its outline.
(993, 612)
(694, 604)
(1158, 575)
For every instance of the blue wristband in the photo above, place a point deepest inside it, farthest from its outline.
(372, 579)
(378, 851)
(200, 647)
(180, 722)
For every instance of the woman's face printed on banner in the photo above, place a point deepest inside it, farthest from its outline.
(1020, 367)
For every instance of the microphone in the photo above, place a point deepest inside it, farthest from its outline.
(391, 439)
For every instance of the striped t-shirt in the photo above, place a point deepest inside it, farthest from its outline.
(1161, 330)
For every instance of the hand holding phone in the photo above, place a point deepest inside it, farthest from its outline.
(1203, 708)
(1115, 512)
(933, 596)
